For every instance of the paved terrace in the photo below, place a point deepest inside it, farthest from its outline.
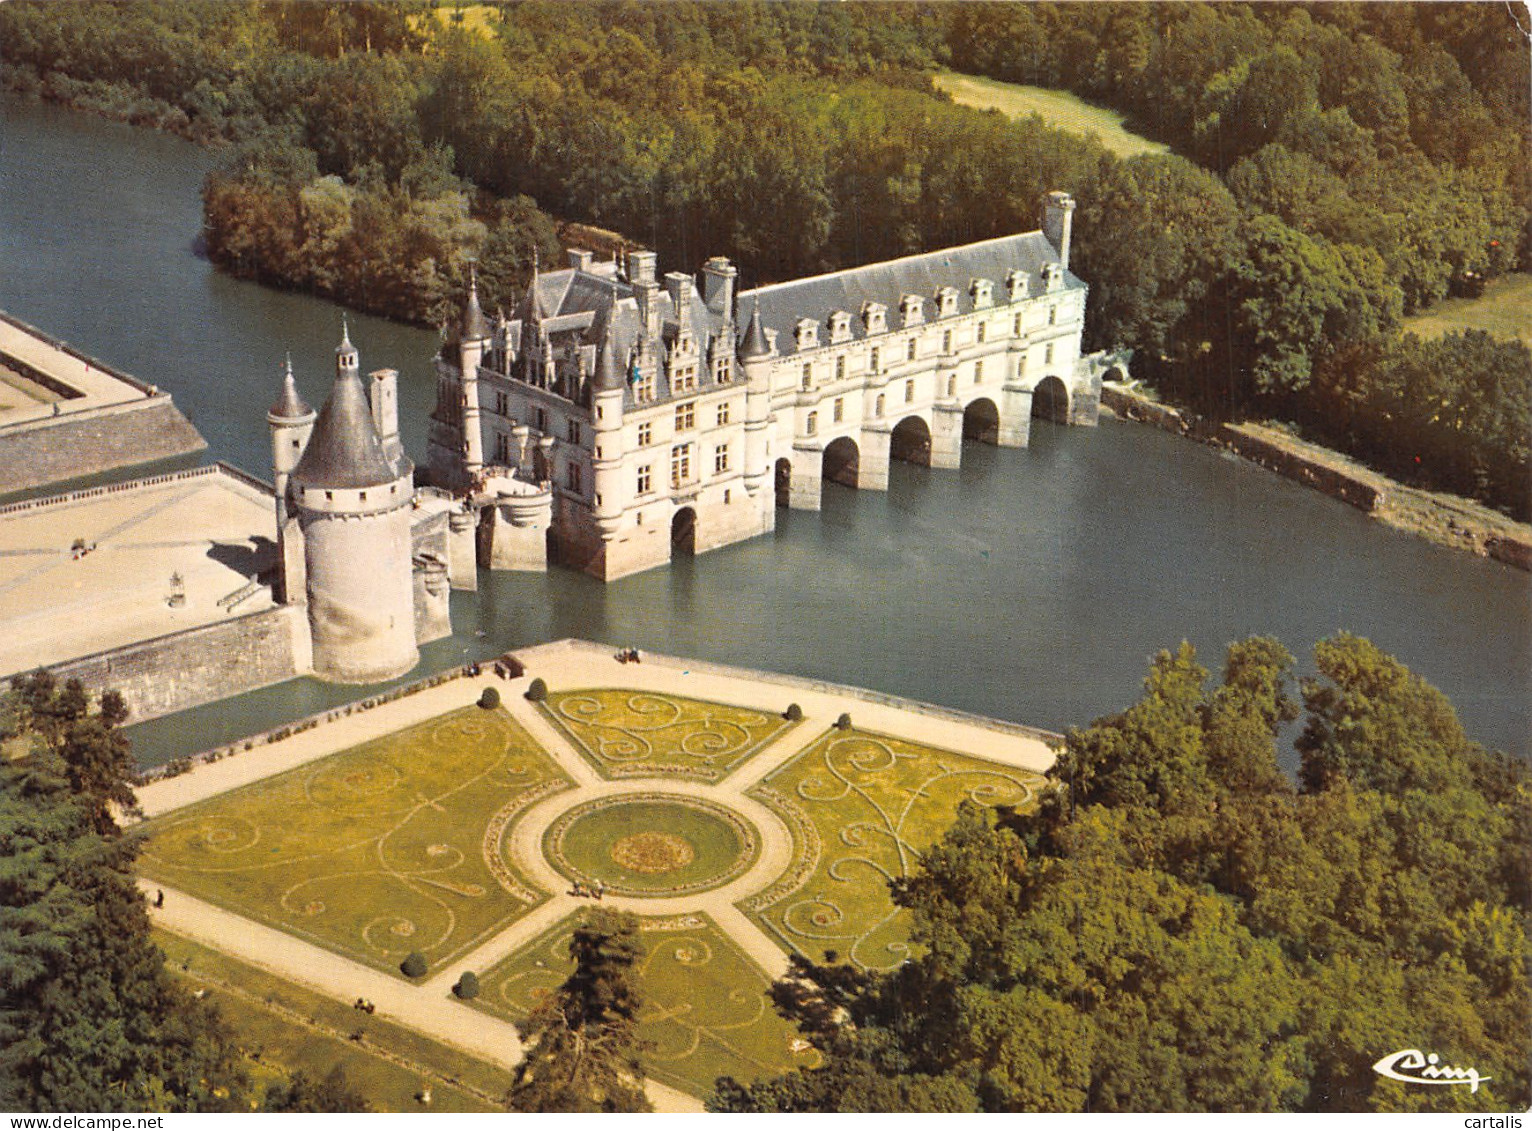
(212, 527)
(429, 1007)
(93, 386)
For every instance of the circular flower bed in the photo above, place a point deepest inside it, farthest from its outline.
(651, 844)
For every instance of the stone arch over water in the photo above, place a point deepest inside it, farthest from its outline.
(981, 421)
(1050, 400)
(842, 461)
(911, 441)
(683, 533)
(784, 481)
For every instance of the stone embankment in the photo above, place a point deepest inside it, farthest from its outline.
(1445, 519)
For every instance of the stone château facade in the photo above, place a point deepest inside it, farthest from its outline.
(622, 418)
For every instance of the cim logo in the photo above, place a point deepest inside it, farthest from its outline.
(1411, 1066)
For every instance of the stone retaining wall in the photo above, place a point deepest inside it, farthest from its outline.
(75, 444)
(186, 669)
(1338, 484)
(528, 658)
(1446, 520)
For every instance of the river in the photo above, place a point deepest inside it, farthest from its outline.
(1030, 585)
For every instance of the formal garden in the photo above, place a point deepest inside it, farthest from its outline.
(402, 852)
(385, 849)
(641, 734)
(705, 1011)
(862, 807)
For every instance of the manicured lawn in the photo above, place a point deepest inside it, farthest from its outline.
(862, 806)
(389, 847)
(625, 733)
(1056, 107)
(705, 1004)
(1504, 310)
(284, 1028)
(651, 844)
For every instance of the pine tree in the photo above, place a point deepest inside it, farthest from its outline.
(89, 1018)
(582, 1042)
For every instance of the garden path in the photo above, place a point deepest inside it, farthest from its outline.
(429, 1007)
(434, 1014)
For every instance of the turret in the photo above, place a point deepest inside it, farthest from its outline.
(755, 359)
(1058, 219)
(353, 505)
(346, 358)
(291, 420)
(473, 341)
(607, 385)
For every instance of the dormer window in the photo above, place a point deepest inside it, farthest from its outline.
(1053, 277)
(840, 326)
(806, 334)
(912, 310)
(874, 317)
(1016, 285)
(982, 293)
(946, 302)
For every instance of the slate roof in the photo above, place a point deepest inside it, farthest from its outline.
(603, 308)
(343, 449)
(475, 325)
(608, 373)
(754, 343)
(289, 405)
(782, 305)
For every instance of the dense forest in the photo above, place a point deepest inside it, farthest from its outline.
(1335, 167)
(1182, 928)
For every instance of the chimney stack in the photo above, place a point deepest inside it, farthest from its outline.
(1058, 217)
(718, 276)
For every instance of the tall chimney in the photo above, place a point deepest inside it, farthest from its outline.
(718, 276)
(679, 285)
(1058, 218)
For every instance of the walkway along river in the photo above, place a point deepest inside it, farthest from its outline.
(1030, 585)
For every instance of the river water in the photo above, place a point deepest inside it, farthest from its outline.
(1030, 585)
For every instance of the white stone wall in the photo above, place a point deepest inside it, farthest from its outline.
(361, 599)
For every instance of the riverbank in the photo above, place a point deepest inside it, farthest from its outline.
(1448, 520)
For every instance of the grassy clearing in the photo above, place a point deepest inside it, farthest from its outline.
(625, 733)
(705, 1004)
(862, 807)
(1503, 310)
(390, 847)
(1056, 108)
(284, 1028)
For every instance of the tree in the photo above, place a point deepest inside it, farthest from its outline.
(1290, 300)
(89, 1018)
(582, 1041)
(1177, 928)
(98, 758)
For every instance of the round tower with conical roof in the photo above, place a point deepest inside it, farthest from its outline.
(352, 501)
(472, 344)
(291, 420)
(606, 395)
(754, 355)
